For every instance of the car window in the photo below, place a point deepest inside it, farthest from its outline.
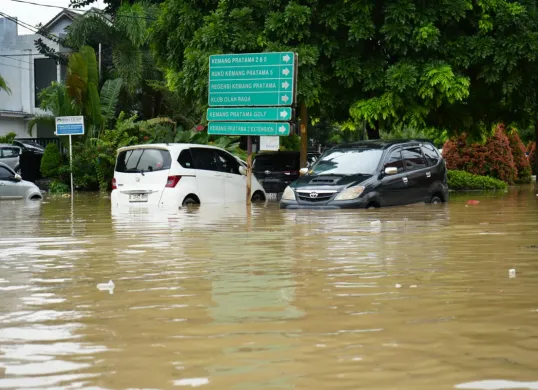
(147, 160)
(432, 157)
(276, 162)
(227, 163)
(413, 159)
(394, 160)
(185, 159)
(9, 152)
(348, 161)
(205, 159)
(5, 174)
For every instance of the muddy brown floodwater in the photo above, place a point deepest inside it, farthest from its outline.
(414, 297)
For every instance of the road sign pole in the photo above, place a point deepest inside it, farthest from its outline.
(71, 164)
(249, 170)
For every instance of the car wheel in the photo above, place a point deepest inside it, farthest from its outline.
(258, 197)
(372, 206)
(436, 200)
(190, 201)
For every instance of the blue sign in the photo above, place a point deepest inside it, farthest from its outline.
(69, 125)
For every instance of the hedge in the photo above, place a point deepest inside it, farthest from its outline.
(461, 181)
(532, 157)
(520, 158)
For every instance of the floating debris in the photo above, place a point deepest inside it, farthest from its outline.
(512, 273)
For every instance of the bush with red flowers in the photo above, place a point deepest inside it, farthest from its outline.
(520, 158)
(493, 159)
(532, 157)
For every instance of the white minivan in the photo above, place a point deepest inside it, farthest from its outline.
(175, 175)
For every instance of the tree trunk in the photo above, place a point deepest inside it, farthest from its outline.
(304, 135)
(373, 133)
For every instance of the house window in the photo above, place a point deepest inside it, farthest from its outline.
(44, 74)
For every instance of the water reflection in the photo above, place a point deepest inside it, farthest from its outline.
(230, 297)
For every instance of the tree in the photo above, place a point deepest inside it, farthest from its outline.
(458, 65)
(4, 86)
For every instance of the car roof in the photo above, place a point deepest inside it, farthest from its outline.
(379, 144)
(173, 147)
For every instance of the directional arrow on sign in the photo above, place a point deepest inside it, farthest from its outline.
(281, 129)
(285, 71)
(285, 98)
(286, 58)
(285, 85)
(283, 114)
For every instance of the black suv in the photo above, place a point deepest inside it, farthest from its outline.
(371, 174)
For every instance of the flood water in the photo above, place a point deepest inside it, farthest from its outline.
(415, 297)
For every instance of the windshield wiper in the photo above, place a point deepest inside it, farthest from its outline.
(136, 170)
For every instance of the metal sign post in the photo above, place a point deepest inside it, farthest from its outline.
(248, 90)
(70, 125)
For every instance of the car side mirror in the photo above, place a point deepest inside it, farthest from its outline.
(16, 177)
(303, 171)
(391, 171)
(242, 170)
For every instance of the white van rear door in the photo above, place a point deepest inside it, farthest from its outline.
(141, 175)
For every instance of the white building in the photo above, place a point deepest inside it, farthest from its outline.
(26, 73)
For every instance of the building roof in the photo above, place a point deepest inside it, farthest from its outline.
(63, 13)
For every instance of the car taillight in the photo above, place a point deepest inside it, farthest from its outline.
(114, 183)
(172, 181)
(291, 173)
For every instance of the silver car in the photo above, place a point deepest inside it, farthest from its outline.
(13, 187)
(10, 155)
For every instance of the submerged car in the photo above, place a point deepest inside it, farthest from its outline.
(10, 155)
(12, 187)
(371, 174)
(175, 175)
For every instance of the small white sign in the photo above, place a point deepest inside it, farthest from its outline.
(69, 125)
(269, 143)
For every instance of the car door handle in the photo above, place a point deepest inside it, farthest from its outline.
(405, 180)
(428, 174)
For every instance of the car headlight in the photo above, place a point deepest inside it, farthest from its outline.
(350, 193)
(288, 194)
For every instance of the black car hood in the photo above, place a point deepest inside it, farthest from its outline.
(338, 181)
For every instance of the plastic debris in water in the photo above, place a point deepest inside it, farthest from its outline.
(473, 202)
(398, 285)
(107, 287)
(512, 273)
(413, 286)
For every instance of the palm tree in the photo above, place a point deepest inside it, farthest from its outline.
(4, 86)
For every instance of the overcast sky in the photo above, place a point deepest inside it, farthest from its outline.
(34, 14)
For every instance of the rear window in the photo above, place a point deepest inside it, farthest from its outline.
(145, 160)
(431, 154)
(276, 162)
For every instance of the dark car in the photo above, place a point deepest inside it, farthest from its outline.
(371, 174)
(276, 170)
(29, 146)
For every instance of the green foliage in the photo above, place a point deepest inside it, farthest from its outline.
(4, 86)
(58, 187)
(51, 161)
(461, 181)
(437, 137)
(110, 93)
(293, 142)
(455, 65)
(8, 138)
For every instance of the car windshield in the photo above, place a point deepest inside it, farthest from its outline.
(348, 162)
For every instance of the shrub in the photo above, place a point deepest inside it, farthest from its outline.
(51, 161)
(493, 159)
(532, 157)
(520, 158)
(459, 180)
(57, 187)
(8, 138)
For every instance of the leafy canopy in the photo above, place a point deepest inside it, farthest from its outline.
(452, 64)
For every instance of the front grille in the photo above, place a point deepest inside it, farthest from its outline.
(320, 198)
(325, 180)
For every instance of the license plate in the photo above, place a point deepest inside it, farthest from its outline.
(138, 197)
(272, 195)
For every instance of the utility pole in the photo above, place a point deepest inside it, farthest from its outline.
(304, 135)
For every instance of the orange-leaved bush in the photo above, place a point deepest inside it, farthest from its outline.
(520, 158)
(493, 159)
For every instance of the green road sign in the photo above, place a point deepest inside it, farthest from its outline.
(250, 114)
(260, 79)
(248, 128)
